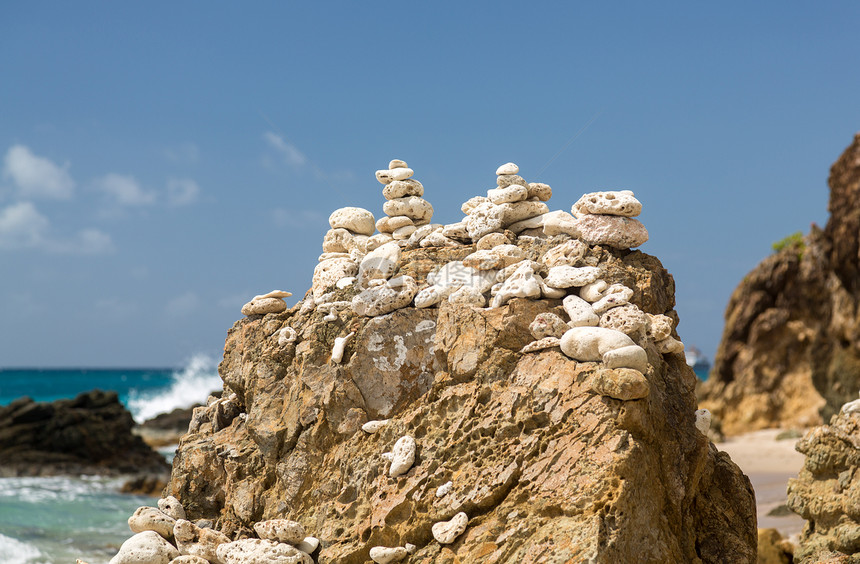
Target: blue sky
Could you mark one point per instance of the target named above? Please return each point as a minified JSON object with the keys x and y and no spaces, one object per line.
{"x":163,"y":162}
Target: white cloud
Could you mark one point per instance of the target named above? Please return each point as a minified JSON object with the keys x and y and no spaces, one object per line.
{"x":288,"y":151}
{"x":22,"y":226}
{"x":37,"y":177}
{"x":125,"y":190}
{"x":182,"y":305}
{"x":182,"y":191}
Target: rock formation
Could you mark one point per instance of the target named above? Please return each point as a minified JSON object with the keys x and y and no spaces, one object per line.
{"x":510,"y":393}
{"x":827,"y":491}
{"x":91,"y":434}
{"x":790,"y":351}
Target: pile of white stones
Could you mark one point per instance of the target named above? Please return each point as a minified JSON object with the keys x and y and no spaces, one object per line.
{"x":405,"y":209}
{"x":164,"y":536}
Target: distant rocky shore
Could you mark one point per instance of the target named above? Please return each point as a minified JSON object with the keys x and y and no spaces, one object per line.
{"x":90,"y":434}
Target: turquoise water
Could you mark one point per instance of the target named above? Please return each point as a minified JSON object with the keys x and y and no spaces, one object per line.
{"x":57,"y":520}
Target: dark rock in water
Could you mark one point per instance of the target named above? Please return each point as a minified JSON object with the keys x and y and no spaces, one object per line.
{"x":90,"y":434}
{"x":145,"y":484}
{"x":790,"y":351}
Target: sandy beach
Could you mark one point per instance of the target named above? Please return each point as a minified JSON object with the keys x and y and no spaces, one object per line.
{"x":769,"y":463}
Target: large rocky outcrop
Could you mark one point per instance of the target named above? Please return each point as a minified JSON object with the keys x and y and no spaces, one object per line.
{"x":545,"y":468}
{"x":91,"y":434}
{"x":827,"y":491}
{"x":790,"y":351}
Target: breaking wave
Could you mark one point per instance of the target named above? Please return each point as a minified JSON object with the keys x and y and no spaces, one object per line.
{"x":192,"y":384}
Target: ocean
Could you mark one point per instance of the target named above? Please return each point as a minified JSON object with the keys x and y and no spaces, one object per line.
{"x":56,"y":520}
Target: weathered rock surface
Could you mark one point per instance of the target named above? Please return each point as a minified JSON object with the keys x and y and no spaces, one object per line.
{"x":827,"y":491}
{"x":546,"y":469}
{"x":790,"y":351}
{"x":91,"y":434}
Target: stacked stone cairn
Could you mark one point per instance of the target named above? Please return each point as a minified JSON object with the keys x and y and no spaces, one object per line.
{"x":164,"y":536}
{"x":520,"y":250}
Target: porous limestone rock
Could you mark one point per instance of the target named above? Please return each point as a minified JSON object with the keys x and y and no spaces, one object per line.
{"x":402,"y":189}
{"x":197,"y":541}
{"x":373,"y":426}
{"x":491,"y":241}
{"x":260,"y":551}
{"x":189,"y":559}
{"x":484,"y":260}
{"x":152,"y":519}
{"x":571,"y":276}
{"x":703,"y":421}
{"x":551,"y":223}
{"x":309,"y":545}
{"x":615,"y":231}
{"x":541,"y":344}
{"x":659,"y":326}
{"x":667,"y":345}
{"x":632,"y":356}
{"x":539,"y":190}
{"x":611,"y":202}
{"x":509,"y":194}
{"x":339,"y":346}
{"x":415,"y":207}
{"x":506,"y":180}
{"x":484,"y":218}
{"x":446,"y":532}
{"x":594,"y":291}
{"x":379,"y":300}
{"x":147,"y":547}
{"x":397,"y":163}
{"x":580,"y":312}
{"x":570,"y":253}
{"x":286,"y":335}
{"x":337,"y":241}
{"x":467,"y":295}
{"x":518,"y":211}
{"x":386,"y":555}
{"x":547,"y":325}
{"x":624,"y":384}
{"x":444,"y":489}
{"x":521,"y":284}
{"x":328,"y":272}
{"x":616,"y":295}
{"x":172,"y":507}
{"x":827,"y":491}
{"x":628,"y":319}
{"x":403,"y":233}
{"x":472,"y":203}
{"x":280,"y":530}
{"x":591,"y":343}
{"x":403,"y":456}
{"x":380,"y":263}
{"x":356,"y":220}
{"x":507,"y":168}
{"x":455,"y":275}
{"x":375,"y":241}
{"x":263,"y":306}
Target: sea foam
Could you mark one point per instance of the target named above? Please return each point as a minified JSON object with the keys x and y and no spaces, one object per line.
{"x":13,"y":550}
{"x":192,"y":384}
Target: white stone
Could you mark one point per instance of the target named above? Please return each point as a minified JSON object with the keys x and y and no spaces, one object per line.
{"x":260,"y":551}
{"x":619,"y":203}
{"x":518,"y":211}
{"x":571,"y":276}
{"x":469,"y":205}
{"x":337,"y":241}
{"x":414,"y":207}
{"x":510,"y":254}
{"x":377,"y":241}
{"x":147,"y":547}
{"x":484,"y":260}
{"x":328,"y":256}
{"x":491,"y":241}
{"x":328,"y":272}
{"x":421,"y":232}
{"x":547,"y":325}
{"x":851,"y":407}
{"x":373,"y":426}
{"x":594,"y":291}
{"x":508,"y":271}
{"x":632,"y":356}
{"x":171,"y":506}
{"x":345,"y":282}
{"x":386,"y":555}
{"x":338,"y":348}
{"x":387,"y":224}
{"x":456,"y":230}
{"x":667,"y":345}
{"x":444,"y":489}
{"x":403,"y":233}
{"x":548,"y":291}
{"x":580,"y":312}
{"x":484,"y":218}
{"x":397,"y":163}
{"x":308,"y":545}
{"x":280,"y":530}
{"x":507,"y":168}
{"x":467,"y":295}
{"x":273,"y":294}
{"x":541,"y":344}
{"x":402,"y":189}
{"x":569,"y":253}
{"x":264,"y":306}
{"x":401,"y":173}
{"x":703,"y":421}
{"x":616,"y":295}
{"x":446,"y":532}
{"x":437,"y":239}
{"x":380,"y":263}
{"x":521,"y":284}
{"x":152,"y":519}
{"x":410,"y":548}
{"x":539,"y":190}
{"x":286,"y":336}
{"x":659,"y":326}
{"x":197,"y":541}
{"x":394,"y":294}
{"x":430,"y":296}
{"x":628,"y":319}
{"x":509,"y":194}
{"x":505,"y":180}
{"x":357,"y":220}
{"x":389,"y":456}
{"x":613,"y":231}
{"x":404,"y":456}
{"x":455,"y":275}
{"x":591,"y":343}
